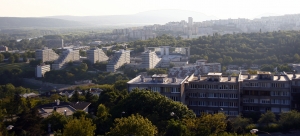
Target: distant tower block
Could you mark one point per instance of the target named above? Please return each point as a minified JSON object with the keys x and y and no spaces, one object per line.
{"x":190,"y":21}
{"x":162,"y":51}
{"x":167,"y":50}
{"x":62,"y":43}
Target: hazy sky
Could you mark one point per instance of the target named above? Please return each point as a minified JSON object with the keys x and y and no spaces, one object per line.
{"x":222,"y":9}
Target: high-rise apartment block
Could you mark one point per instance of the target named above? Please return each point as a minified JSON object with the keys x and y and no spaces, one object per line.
{"x":149,"y":59}
{"x":42,"y":69}
{"x":3,"y":48}
{"x":120,"y":58}
{"x":66,"y":56}
{"x":45,"y":55}
{"x":213,"y":93}
{"x":96,"y":54}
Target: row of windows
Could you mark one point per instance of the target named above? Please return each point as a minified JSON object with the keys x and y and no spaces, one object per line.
{"x":213,"y":104}
{"x":280,"y":93}
{"x":174,"y":98}
{"x":213,"y":95}
{"x":275,"y":85}
{"x":267,"y":101}
{"x":216,"y":87}
{"x":165,"y":89}
{"x":230,"y":113}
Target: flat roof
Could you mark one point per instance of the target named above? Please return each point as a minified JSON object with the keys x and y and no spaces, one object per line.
{"x":159,"y":75}
{"x":264,"y":72}
{"x":214,"y":74}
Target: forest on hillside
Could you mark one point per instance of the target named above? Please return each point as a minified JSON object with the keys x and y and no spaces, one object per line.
{"x":251,"y":48}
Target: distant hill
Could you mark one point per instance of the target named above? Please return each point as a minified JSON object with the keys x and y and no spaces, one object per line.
{"x":17,"y":22}
{"x":143,"y":18}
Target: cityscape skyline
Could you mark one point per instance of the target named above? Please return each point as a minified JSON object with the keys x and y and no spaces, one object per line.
{"x":219,"y":9}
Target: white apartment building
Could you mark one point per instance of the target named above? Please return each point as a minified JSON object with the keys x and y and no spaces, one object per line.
{"x":66,"y":56}
{"x":41,"y":70}
{"x":96,"y":54}
{"x":149,"y":59}
{"x":46,"y":54}
{"x":120,"y":58}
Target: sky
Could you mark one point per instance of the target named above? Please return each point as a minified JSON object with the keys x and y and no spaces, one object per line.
{"x":222,"y":9}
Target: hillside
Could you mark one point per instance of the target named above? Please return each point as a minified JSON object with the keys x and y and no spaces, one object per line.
{"x":17,"y":22}
{"x":142,"y":18}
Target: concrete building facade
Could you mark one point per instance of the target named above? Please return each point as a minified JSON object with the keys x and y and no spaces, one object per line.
{"x":120,"y":58}
{"x":66,"y":56}
{"x":45,"y":55}
{"x":42,"y":69}
{"x":96,"y":54}
{"x":212,"y":94}
{"x":172,"y":88}
{"x":245,"y":93}
{"x":149,"y":59}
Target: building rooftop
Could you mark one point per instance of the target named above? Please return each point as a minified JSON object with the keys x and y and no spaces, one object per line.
{"x":214,"y":74}
{"x":151,"y":80}
{"x":159,"y":75}
{"x":224,"y":79}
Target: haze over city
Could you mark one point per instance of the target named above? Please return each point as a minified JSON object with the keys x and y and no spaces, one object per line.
{"x":219,"y":9}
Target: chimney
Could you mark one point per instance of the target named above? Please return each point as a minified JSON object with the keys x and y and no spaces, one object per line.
{"x":279,"y":77}
{"x":294,"y":73}
{"x":174,"y":80}
{"x":57,"y":102}
{"x":142,"y":79}
{"x":249,"y":76}
{"x":229,"y":78}
{"x":199,"y":77}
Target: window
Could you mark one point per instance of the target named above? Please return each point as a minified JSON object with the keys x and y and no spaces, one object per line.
{"x":232,"y":104}
{"x":210,"y":95}
{"x":221,"y":95}
{"x":285,"y":102}
{"x":213,"y":104}
{"x":275,"y":101}
{"x":248,"y":108}
{"x":265,"y":101}
{"x":175,"y":90}
{"x":155,"y":89}
{"x":202,"y":103}
{"x":285,"y":93}
{"x":233,"y":96}
{"x":202,"y":95}
{"x":233,"y":113}
{"x":247,"y":100}
{"x":193,"y":95}
{"x":175,"y":98}
{"x":193,"y":103}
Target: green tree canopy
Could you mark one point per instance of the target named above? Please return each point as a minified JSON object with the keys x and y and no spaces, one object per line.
{"x":267,"y":118}
{"x":79,"y":127}
{"x":133,"y":125}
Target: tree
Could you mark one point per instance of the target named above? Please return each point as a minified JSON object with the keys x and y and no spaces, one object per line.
{"x":153,"y":105}
{"x":267,"y":118}
{"x":79,"y":127}
{"x":176,"y":128}
{"x":216,"y":123}
{"x":121,"y":85}
{"x":102,"y":112}
{"x":133,"y":125}
{"x":56,"y":120}
{"x":29,"y":122}
{"x":11,"y":59}
{"x":1,"y":57}
{"x":240,"y":123}
{"x":289,"y":120}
